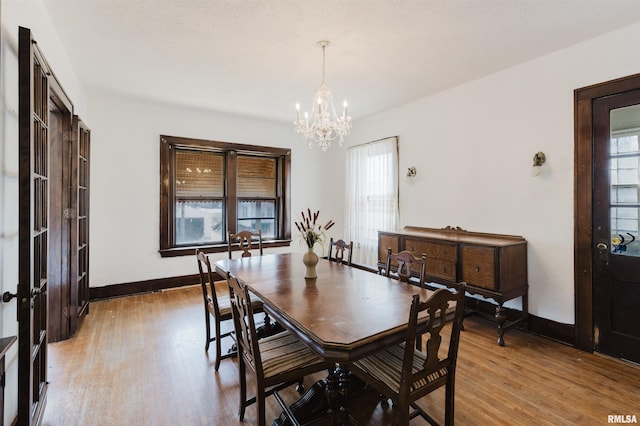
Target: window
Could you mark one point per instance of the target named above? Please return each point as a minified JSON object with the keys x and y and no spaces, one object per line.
{"x":257,"y":188}
{"x":371,"y":196}
{"x":208,"y":189}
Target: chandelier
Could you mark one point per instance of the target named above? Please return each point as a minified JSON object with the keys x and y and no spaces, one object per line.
{"x":324,"y":125}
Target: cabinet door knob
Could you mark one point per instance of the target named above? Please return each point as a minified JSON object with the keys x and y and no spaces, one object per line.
{"x":477,"y":268}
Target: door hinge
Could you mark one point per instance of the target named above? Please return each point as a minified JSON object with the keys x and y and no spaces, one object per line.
{"x":3,"y":379}
{"x":69,"y":214}
{"x":65,"y":312}
{"x":67,"y":136}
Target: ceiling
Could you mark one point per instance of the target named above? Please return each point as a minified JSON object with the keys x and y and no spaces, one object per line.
{"x":257,"y":58}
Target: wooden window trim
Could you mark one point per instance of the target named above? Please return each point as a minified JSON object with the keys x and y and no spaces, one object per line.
{"x":167,"y":194}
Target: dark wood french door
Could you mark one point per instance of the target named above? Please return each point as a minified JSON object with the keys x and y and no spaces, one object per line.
{"x":616,"y":222}
{"x":79,"y":218}
{"x":33,"y":239}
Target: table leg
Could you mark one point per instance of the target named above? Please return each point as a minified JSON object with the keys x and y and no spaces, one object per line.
{"x":329,"y":397}
{"x":344,"y":384}
{"x":331,"y":392}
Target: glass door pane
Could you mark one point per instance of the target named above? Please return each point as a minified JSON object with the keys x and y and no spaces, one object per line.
{"x":624,"y":165}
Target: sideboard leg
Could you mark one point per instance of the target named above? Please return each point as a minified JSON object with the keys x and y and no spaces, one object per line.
{"x":501,"y":317}
{"x":525,"y":312}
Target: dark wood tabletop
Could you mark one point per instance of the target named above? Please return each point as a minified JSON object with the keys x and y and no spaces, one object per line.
{"x":343,"y":314}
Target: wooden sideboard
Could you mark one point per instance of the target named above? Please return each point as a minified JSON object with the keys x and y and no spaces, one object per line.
{"x":493,"y":266}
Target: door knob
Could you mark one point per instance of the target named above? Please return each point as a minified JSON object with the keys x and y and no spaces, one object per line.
{"x":601,"y":246}
{"x":7,"y":296}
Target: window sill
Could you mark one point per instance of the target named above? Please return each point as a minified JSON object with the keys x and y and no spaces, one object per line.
{"x":214,"y":248}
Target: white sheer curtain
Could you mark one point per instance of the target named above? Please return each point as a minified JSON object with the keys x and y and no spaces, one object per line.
{"x":371,"y":196}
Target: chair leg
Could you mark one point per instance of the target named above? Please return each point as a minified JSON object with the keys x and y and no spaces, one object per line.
{"x":449,"y":401}
{"x":207,"y":321}
{"x":403,"y":416}
{"x":262,"y":409}
{"x":243,"y":387}
{"x":218,"y":345}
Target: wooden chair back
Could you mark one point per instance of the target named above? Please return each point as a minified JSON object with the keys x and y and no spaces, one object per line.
{"x":207,"y":284}
{"x":406,"y":263}
{"x":340,"y":248}
{"x":245,"y":241}
{"x":245,"y":326}
{"x":440,"y":315}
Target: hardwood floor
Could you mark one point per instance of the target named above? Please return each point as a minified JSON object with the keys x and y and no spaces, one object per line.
{"x":140,"y":360}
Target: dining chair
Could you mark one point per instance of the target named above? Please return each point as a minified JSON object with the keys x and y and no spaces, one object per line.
{"x":406,"y":261}
{"x":405,"y":374}
{"x":340,"y":247}
{"x":217,"y":305}
{"x":277,"y":361}
{"x":246,"y":241}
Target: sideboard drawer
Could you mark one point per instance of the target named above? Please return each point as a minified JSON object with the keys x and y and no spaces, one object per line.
{"x":478,"y":266}
{"x":445,"y":269}
{"x":432,"y":250}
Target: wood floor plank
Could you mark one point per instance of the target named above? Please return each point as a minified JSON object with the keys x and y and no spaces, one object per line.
{"x":140,"y":360}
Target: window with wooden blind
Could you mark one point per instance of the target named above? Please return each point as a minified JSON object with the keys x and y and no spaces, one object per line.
{"x":257,"y":197}
{"x":208,"y":189}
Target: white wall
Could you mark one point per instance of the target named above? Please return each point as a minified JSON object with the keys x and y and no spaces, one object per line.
{"x":125,"y":186}
{"x":33,"y":14}
{"x":473,"y":147}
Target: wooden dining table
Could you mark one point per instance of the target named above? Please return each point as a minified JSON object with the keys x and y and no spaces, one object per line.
{"x":344,"y":314}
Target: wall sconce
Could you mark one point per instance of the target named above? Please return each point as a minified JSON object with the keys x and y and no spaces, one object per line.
{"x":411,"y":172}
{"x":538,"y":160}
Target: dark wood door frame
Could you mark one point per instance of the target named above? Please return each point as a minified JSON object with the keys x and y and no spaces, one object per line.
{"x":583,"y":200}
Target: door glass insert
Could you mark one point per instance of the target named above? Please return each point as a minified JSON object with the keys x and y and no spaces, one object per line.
{"x":624,"y":165}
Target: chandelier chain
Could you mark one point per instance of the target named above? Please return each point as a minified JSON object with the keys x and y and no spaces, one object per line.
{"x":324,"y":46}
